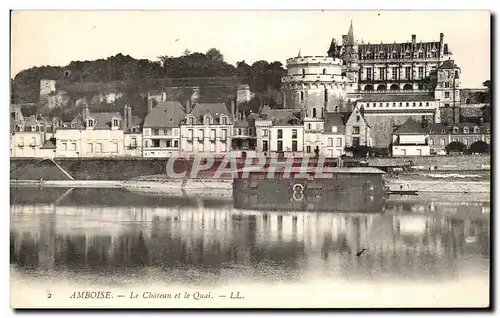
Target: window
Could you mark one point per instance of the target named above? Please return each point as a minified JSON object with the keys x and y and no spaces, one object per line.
{"x":355,"y":141}
{"x":280,"y":145}
{"x":466,"y":141}
{"x":114,"y":147}
{"x":223,"y":134}
{"x":431,"y":141}
{"x":98,"y":147}
{"x":431,"y":131}
{"x":414,"y":104}
{"x":168,"y":143}
{"x":420,"y":72}
{"x":223,"y":121}
{"x":115,"y":122}
{"x":355,"y":130}
{"x":446,"y":94}
{"x":476,"y":130}
{"x":294,"y":133}
{"x":212,"y":134}
{"x":314,"y":112}
{"x":156,"y":143}
{"x":294,"y":145}
{"x":190,"y":120}
{"x":308,"y":149}
{"x":326,"y":96}
{"x":466,"y":130}
{"x":394,"y":54}
{"x":339,"y":142}
{"x":324,"y":71}
{"x":446,"y":85}
{"x":455,"y":130}
{"x":176,"y":143}
{"x":393,"y":104}
{"x":426,"y":103}
{"x":456,"y":74}
{"x":280,"y":133}
{"x":190,"y":134}
{"x":239,"y":131}
{"x":400,"y":104}
{"x":420,"y":104}
{"x":334,"y":129}
{"x":90,"y":148}
{"x":90,"y":122}
{"x":358,"y":118}
{"x":309,"y":126}
{"x":487,"y":140}
{"x":382,"y":74}
{"x":156,"y":132}
{"x":455,"y":139}
{"x":446,"y":105}
{"x":408,"y":72}
{"x":394,"y":73}
{"x":420,"y":55}
{"x":330,"y":142}
{"x":407,"y":104}
{"x":73,"y":146}
{"x":265,"y":132}
{"x":301,"y":96}
{"x":201,"y":134}
{"x":369,"y":74}
{"x":303,"y":73}
{"x":443,"y":141}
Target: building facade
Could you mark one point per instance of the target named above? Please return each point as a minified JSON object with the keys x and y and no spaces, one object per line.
{"x":410,"y":139}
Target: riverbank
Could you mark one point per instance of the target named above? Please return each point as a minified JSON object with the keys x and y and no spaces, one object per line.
{"x":157,"y":185}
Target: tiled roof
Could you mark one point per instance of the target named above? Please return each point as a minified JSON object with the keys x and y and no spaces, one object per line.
{"x":442,"y":129}
{"x":334,"y":119}
{"x":48,"y":144}
{"x":214,"y":109}
{"x":409,"y":127}
{"x":281,"y":117}
{"x":103,"y":120}
{"x":376,"y":97}
{"x":166,"y":114}
{"x":448,"y":65}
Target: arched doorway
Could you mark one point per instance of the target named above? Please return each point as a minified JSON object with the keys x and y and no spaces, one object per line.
{"x":407,"y":87}
{"x":381,"y":88}
{"x":394,"y":87}
{"x":368,"y":88}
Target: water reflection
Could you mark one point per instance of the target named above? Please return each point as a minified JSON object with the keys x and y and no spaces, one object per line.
{"x":114,"y":232}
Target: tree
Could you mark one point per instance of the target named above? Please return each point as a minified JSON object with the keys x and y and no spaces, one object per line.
{"x":215,"y":55}
{"x":187,"y":52}
{"x":487,"y":84}
{"x":479,"y":147}
{"x":455,"y":146}
{"x":359,"y":151}
{"x":429,"y":83}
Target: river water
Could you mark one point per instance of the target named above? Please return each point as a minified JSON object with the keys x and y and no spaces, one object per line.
{"x":151,"y":251}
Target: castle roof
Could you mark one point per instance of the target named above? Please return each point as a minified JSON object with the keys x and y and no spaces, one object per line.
{"x":334,"y":119}
{"x":448,"y":65}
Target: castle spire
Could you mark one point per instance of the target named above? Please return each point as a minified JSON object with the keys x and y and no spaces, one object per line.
{"x":350,"y":35}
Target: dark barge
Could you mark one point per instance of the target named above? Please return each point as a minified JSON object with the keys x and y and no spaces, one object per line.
{"x":356,"y":190}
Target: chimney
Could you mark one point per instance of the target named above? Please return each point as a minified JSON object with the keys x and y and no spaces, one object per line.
{"x":86,"y":113}
{"x":125,"y":112}
{"x":150,"y":105}
{"x":188,"y":106}
{"x":413,"y":38}
{"x":53,"y":125}
{"x":441,"y":37}
{"x":129,"y":116}
{"x":445,"y":50}
{"x":233,"y":110}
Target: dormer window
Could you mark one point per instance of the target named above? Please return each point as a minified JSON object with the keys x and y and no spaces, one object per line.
{"x":394,"y":54}
{"x":443,"y":131}
{"x":190,"y":120}
{"x":466,"y":130}
{"x":407,"y":54}
{"x":420,"y":55}
{"x":369,"y":55}
{"x":223,"y":120}
{"x":476,"y":130}
{"x":381,"y":55}
{"x":431,"y":131}
{"x":115,"y":122}
{"x":455,"y":130}
{"x":207,"y":120}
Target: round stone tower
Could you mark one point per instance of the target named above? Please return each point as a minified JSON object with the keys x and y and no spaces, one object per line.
{"x":315,"y":85}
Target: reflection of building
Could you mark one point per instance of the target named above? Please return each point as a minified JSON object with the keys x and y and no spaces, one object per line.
{"x":413,"y":238}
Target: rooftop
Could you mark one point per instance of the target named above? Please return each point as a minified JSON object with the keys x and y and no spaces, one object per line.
{"x":409,"y":127}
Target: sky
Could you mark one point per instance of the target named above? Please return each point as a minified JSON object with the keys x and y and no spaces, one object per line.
{"x":58,"y":37}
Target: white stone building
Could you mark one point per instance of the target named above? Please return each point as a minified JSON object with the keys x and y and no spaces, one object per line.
{"x":410,"y":139}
